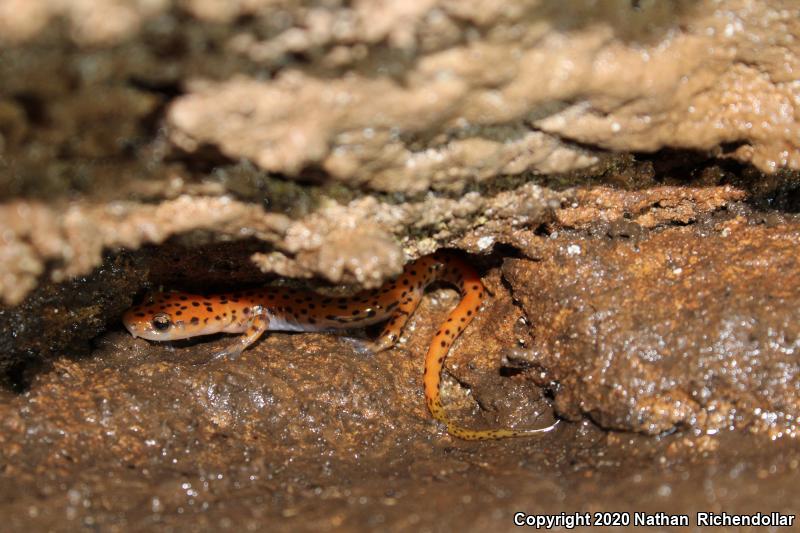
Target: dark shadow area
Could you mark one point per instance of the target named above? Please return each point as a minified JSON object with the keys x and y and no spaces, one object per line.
{"x":58,"y":318}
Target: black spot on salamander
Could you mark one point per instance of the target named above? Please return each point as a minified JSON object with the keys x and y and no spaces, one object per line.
{"x":444,"y":344}
{"x":312,"y":320}
{"x":205,"y":320}
{"x":223,"y":301}
{"x":330,"y":317}
{"x":312,"y":306}
{"x":178,"y":313}
{"x":246,"y":311}
{"x":469,"y":313}
{"x":356,"y":312}
{"x":195,"y":320}
{"x":326,"y":301}
{"x":475,"y":287}
{"x":140,"y":314}
{"x":405,"y":281}
{"x":184,"y":307}
{"x":183,"y":297}
{"x":210,"y":309}
{"x":195,"y":304}
{"x":217,"y":318}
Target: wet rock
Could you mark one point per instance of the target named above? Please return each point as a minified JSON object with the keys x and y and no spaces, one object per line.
{"x":689,"y":327}
{"x":171,"y":429}
{"x":219,"y":144}
{"x":309,"y":431}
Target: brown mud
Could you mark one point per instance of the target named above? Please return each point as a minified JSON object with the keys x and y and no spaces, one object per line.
{"x":624,"y":175}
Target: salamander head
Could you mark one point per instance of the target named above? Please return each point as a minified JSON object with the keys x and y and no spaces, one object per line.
{"x":164,"y":316}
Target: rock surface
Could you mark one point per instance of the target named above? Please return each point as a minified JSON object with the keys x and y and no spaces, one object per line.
{"x":624,"y":175}
{"x":690,"y":327}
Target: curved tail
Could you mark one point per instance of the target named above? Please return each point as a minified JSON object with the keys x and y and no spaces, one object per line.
{"x":453,"y":270}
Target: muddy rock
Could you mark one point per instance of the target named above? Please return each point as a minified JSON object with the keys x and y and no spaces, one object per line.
{"x":691,"y":327}
{"x":623,"y":175}
{"x":309,"y":431}
{"x":329,"y":407}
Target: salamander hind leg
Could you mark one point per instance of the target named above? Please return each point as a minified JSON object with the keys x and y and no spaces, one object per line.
{"x":458,"y":273}
{"x":391,"y":332}
{"x":256,"y":326}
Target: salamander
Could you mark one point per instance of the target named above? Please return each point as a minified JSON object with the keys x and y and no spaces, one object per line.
{"x":165,"y":316}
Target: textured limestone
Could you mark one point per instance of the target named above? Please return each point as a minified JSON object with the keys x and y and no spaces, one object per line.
{"x":609,"y":76}
{"x":352,"y":243}
{"x":75,"y":236}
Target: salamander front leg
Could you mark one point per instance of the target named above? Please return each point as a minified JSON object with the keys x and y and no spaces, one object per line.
{"x":256,"y":326}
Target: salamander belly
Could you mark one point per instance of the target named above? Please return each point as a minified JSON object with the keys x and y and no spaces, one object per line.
{"x":280,"y":323}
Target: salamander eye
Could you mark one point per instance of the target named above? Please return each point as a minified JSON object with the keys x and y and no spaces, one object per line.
{"x":161,"y":321}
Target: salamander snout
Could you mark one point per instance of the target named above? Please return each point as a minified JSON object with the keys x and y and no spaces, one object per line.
{"x":169,"y":316}
{"x":151,"y":326}
{"x":160,"y":317}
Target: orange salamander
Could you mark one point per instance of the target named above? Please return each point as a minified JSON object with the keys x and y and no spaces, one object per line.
{"x":166,"y":316}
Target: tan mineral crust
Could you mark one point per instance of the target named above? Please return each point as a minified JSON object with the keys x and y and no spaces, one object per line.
{"x":624,"y":175}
